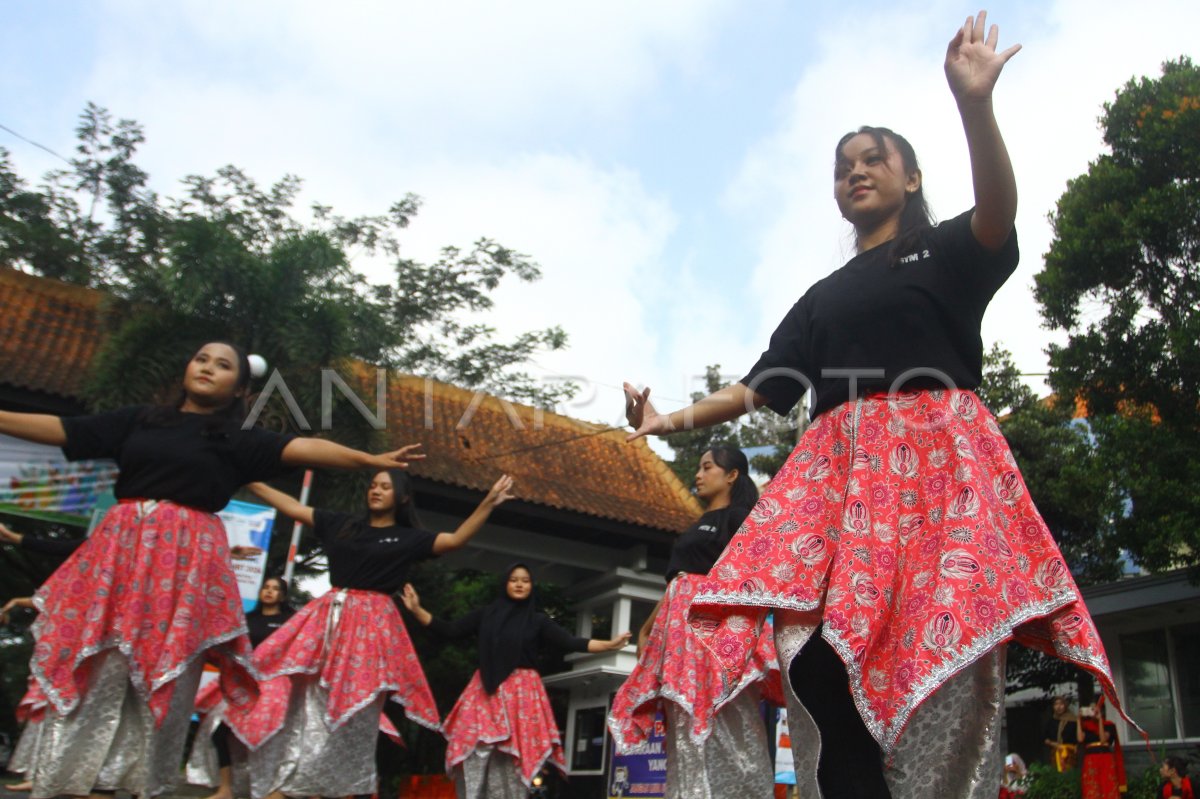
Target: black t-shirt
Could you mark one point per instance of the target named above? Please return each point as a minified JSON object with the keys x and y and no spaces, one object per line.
{"x":374,"y":558}
{"x":261,"y":626}
{"x":183,"y":462}
{"x":699,"y":546}
{"x":59,"y":547}
{"x":544,"y":631}
{"x":921,"y":313}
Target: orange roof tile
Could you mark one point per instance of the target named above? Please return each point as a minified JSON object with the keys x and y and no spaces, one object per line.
{"x":50,"y":331}
{"x":472,"y":438}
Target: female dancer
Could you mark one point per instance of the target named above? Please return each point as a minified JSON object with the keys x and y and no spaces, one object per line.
{"x":126,"y":619}
{"x":501,"y":731}
{"x":716,"y":742}
{"x":898,"y":546}
{"x":1102,"y":764}
{"x":213,"y":753}
{"x":343,"y":654}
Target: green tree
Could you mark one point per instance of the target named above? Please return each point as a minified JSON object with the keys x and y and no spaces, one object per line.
{"x":1122,"y":279}
{"x":1072,"y":488}
{"x":231,"y":257}
{"x":763,"y":428}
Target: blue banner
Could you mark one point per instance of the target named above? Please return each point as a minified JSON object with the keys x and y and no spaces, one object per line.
{"x":643,"y":774}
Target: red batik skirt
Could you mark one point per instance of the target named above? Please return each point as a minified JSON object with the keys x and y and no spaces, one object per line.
{"x":676,"y":666}
{"x":355,"y":643}
{"x":516,"y":720}
{"x":154,"y":581}
{"x":900,"y":523}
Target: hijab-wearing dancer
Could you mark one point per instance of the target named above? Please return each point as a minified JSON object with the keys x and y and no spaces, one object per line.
{"x":898,"y":546}
{"x":215,"y":754}
{"x":340,"y":657}
{"x":716,"y":742}
{"x":501,"y":731}
{"x":125,"y":621}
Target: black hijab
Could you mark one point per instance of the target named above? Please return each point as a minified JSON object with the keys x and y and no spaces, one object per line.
{"x":503,"y":630}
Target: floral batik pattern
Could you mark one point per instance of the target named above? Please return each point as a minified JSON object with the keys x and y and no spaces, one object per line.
{"x":155,"y":582}
{"x":355,"y":643}
{"x":517,"y":720}
{"x":903,"y":520}
{"x":676,"y":666}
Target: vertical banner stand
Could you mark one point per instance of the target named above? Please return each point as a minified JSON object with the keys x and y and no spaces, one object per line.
{"x":297,"y":529}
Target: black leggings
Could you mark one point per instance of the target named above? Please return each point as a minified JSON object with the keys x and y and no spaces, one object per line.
{"x":220,"y":739}
{"x":851,"y":765}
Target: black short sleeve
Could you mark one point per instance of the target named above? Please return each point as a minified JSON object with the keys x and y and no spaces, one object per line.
{"x":981,"y":271}
{"x":782,"y":369}
{"x":258,"y":455}
{"x":99,"y":435}
{"x":328,"y":523}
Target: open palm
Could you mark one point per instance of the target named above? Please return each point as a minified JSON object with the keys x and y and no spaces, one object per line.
{"x":972,"y":64}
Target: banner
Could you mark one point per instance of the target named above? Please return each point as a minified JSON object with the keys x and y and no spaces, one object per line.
{"x":249,"y":526}
{"x":643,"y":774}
{"x":37,"y":482}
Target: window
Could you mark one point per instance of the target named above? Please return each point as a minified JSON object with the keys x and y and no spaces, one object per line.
{"x":588,"y":747}
{"x":1162,"y":680}
{"x":1148,"y":682}
{"x":1186,"y":640}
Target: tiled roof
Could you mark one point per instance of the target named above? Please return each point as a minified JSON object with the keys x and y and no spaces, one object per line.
{"x":50,"y":331}
{"x":471,"y":439}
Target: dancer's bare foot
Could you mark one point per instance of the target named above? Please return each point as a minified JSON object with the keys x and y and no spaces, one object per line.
{"x":223,"y":792}
{"x":20,"y":786}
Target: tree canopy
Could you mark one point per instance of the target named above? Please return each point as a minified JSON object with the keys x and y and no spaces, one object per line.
{"x":231,"y":258}
{"x":1122,"y":279}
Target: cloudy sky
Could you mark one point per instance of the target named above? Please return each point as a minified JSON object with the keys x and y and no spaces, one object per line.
{"x":667,"y":163}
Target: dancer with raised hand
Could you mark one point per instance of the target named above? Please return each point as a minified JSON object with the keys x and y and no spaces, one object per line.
{"x":501,"y":731}
{"x":898,"y":546}
{"x":328,"y":672}
{"x":125,"y":622}
{"x":716,"y":742}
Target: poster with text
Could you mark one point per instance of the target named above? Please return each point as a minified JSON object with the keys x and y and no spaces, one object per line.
{"x":249,"y":529}
{"x":643,"y":774}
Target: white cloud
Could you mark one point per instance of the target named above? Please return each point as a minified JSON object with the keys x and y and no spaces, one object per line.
{"x":1047,"y":103}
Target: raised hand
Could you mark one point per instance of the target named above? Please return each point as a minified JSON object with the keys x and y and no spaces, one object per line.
{"x":641,"y":415}
{"x":501,"y":491}
{"x":972,"y":64}
{"x":397,"y":459}
{"x":410,"y":599}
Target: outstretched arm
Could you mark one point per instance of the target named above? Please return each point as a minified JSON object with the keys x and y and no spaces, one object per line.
{"x":322,"y":453}
{"x":501,"y":492}
{"x":720,"y":406}
{"x":599,"y":645}
{"x":972,"y":68}
{"x":40,"y":428}
{"x":284,"y":503}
